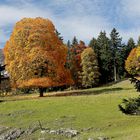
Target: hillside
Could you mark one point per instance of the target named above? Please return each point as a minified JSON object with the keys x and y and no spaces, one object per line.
{"x":93,"y":116}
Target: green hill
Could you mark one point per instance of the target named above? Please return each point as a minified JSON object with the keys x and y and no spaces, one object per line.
{"x":94,"y":114}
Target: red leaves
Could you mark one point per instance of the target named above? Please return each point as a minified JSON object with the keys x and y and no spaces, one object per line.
{"x":76,"y":68}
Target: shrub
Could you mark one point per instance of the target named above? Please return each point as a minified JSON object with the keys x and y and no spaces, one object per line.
{"x":136,"y":83}
{"x":130,"y":106}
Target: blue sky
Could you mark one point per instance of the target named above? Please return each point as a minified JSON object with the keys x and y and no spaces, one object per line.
{"x":81,"y":18}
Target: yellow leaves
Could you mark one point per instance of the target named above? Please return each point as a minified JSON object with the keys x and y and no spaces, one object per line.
{"x":137,"y":51}
{"x":132,"y":64}
{"x":35,"y":55}
{"x":90,"y":70}
{"x":88,"y":51}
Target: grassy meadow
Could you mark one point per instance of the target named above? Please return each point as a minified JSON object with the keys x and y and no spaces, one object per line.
{"x":93,"y":113}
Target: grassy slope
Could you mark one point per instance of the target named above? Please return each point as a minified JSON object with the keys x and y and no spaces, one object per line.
{"x":98,"y":111}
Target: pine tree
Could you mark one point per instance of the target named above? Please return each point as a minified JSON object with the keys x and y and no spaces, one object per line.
{"x":73,"y":46}
{"x":68,"y":44}
{"x":76,"y":51}
{"x":115,"y":45}
{"x":59,"y":35}
{"x":130,"y":46}
{"x":93,"y":44}
{"x":74,"y":41}
{"x":68,"y":61}
{"x":121,"y":57}
{"x":90,"y":71}
{"x":105,"y":57}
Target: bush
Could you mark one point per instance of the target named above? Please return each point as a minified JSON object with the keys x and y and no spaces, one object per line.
{"x":136,"y":83}
{"x":130,"y":106}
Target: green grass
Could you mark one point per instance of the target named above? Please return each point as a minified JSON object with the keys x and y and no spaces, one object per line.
{"x":96,"y":108}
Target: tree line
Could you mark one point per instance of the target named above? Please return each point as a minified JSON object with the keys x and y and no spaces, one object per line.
{"x":36,"y":57}
{"x":110,"y":52}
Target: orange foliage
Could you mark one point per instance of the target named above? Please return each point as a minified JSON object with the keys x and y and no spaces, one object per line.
{"x":76,"y":67}
{"x":35,"y":56}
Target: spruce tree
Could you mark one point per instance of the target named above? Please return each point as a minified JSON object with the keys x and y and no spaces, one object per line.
{"x":121,"y":57}
{"x":73,"y":46}
{"x":68,"y":44}
{"x":68,"y":60}
{"x":93,"y":44}
{"x":115,"y":45}
{"x":74,"y":41}
{"x":76,"y":50}
{"x":59,"y":35}
{"x":105,"y":57}
{"x":130,"y":46}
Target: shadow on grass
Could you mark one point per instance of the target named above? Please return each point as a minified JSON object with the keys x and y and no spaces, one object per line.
{"x":1,"y":101}
{"x":94,"y":92}
{"x":72,"y":93}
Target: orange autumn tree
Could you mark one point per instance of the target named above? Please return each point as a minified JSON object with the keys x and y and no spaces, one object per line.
{"x":76,"y":68}
{"x":35,"y":56}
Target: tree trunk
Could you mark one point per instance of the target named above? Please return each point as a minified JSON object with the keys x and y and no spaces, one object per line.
{"x":115,"y":73}
{"x":41,"y":91}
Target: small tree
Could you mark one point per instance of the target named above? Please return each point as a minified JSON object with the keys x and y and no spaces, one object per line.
{"x":76,"y":68}
{"x":93,"y":44}
{"x":68,"y":62}
{"x":115,"y":45}
{"x":131,"y":64}
{"x":130,"y":44}
{"x":90,"y":70}
{"x":105,"y":57}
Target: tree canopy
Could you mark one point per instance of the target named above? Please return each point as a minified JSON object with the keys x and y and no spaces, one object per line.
{"x":131,"y":64}
{"x":35,"y":55}
{"x":90,"y":70}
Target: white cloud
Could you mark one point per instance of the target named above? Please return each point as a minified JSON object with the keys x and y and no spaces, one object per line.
{"x":77,"y":18}
{"x":11,"y":14}
{"x":83,"y":28}
{"x":76,"y":22}
{"x":72,"y":17}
